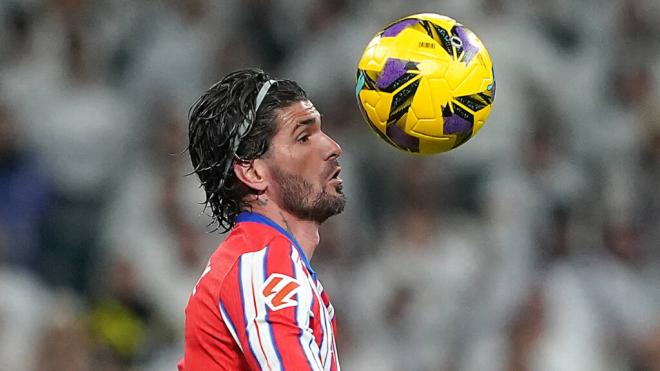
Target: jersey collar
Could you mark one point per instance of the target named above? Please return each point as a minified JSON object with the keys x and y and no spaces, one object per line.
{"x":247,"y":216}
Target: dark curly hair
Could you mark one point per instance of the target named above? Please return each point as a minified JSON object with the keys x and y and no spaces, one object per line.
{"x":224,"y":127}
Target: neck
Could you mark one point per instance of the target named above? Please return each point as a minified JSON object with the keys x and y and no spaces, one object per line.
{"x":304,"y":231}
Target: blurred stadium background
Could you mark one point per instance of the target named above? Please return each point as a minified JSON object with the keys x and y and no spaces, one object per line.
{"x":536,"y":246}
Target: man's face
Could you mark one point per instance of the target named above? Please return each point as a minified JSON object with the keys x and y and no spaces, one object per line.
{"x":303,"y":165}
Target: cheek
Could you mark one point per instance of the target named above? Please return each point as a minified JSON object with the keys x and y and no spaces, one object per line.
{"x":312,"y":171}
{"x":300,"y":162}
{"x":306,"y":165}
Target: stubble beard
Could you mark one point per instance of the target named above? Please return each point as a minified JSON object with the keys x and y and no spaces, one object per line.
{"x":298,"y":198}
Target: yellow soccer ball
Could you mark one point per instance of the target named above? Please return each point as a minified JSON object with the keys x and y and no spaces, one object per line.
{"x":425,"y":84}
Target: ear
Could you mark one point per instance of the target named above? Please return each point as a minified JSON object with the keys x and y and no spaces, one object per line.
{"x":251,"y":173}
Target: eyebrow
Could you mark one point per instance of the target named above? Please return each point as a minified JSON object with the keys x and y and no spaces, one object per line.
{"x":308,"y":121}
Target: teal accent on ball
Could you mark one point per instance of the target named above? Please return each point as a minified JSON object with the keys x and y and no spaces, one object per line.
{"x":359,"y":85}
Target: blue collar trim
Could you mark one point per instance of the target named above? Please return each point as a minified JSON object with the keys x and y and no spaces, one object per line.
{"x":247,"y":216}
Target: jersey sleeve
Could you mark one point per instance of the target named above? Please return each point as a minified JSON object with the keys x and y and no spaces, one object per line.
{"x":266,"y":301}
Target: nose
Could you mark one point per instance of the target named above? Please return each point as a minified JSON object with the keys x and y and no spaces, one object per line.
{"x":333,"y":149}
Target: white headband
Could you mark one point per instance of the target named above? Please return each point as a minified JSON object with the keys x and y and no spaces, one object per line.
{"x":247,"y":123}
{"x":262,"y":94}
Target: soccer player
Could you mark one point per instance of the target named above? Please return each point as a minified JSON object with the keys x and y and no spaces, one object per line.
{"x":271,"y":177}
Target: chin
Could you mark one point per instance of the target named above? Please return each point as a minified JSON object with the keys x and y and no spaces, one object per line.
{"x":332,"y":204}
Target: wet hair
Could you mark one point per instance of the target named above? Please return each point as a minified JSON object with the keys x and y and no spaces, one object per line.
{"x":224,"y":128}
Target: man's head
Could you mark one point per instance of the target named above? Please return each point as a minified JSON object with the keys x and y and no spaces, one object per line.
{"x":253,"y":139}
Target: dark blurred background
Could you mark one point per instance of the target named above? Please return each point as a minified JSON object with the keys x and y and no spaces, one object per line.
{"x":535,"y":246}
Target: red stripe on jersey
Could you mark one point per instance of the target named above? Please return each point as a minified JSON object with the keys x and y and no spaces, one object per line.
{"x":256,"y":310}
{"x":234,"y":289}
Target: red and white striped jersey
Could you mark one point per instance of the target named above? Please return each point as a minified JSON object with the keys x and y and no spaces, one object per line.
{"x":259,"y":306}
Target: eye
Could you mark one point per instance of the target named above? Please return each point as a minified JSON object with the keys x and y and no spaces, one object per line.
{"x":302,"y":138}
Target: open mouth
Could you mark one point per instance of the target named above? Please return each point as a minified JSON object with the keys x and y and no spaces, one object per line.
{"x":335,"y":174}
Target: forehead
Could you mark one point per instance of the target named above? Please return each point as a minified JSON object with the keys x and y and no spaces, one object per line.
{"x":293,"y":114}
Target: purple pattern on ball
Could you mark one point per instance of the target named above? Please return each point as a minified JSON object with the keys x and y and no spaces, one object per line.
{"x":394,"y":29}
{"x":469,"y":48}
{"x":393,"y":70}
{"x":401,"y":139}
{"x":455,"y":124}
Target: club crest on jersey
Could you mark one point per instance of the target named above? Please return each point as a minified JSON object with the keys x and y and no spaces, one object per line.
{"x":279,"y":290}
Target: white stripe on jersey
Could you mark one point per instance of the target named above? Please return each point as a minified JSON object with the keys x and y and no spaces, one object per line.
{"x":326,"y":326}
{"x":331,"y":309}
{"x":258,"y":330}
{"x":334,"y":348}
{"x":305,"y":301}
{"x":331,"y":315}
{"x":230,"y":325}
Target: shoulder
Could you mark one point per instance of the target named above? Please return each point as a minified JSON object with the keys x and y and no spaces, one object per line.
{"x":263,"y":272}
{"x":250,"y":240}
{"x":245,"y":253}
{"x":277,"y":253}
